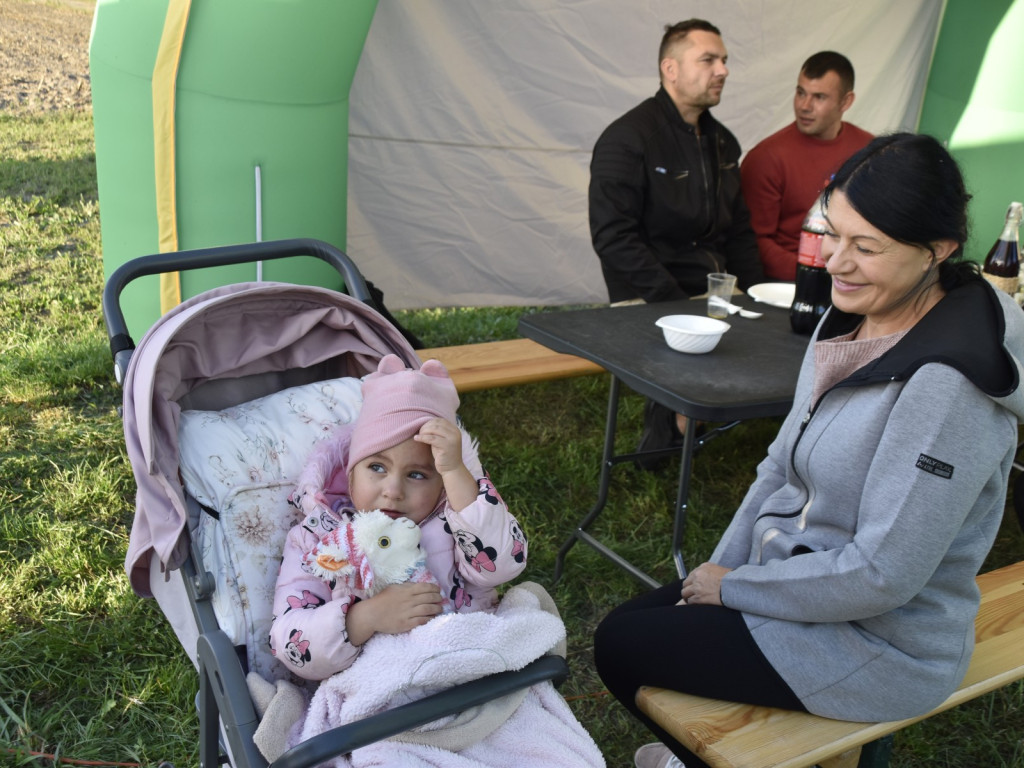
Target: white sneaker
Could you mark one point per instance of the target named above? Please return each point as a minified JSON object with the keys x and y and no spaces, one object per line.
{"x":656,"y":755}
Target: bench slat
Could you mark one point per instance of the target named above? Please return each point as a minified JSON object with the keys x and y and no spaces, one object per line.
{"x":506,"y":363}
{"x":730,"y":735}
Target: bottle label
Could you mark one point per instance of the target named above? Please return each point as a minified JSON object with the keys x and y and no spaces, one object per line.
{"x":1007,"y":284}
{"x":809,"y":250}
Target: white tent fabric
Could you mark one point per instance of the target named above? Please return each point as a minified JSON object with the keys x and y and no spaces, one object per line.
{"x":472,"y":124}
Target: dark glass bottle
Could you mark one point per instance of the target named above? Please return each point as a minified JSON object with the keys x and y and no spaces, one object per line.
{"x":1002,"y":265}
{"x":813,"y":293}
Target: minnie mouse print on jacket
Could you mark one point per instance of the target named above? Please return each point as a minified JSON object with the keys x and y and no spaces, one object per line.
{"x":470,"y":552}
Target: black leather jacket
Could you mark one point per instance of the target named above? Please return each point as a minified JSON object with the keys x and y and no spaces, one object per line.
{"x":666,"y":207}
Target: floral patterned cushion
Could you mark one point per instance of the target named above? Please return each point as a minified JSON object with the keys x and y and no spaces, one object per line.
{"x":242,"y":462}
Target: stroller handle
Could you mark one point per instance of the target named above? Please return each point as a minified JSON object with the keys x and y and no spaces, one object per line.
{"x":121,"y":343}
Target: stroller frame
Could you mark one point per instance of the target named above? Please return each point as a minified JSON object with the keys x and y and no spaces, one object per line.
{"x":227,"y":715}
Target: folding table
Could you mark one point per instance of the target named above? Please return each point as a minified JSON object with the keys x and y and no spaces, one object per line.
{"x":750,"y":374}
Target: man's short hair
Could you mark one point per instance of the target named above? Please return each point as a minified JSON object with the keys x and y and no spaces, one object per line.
{"x":824,"y":62}
{"x":678,"y":31}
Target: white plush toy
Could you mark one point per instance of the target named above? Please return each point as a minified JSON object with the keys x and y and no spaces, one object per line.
{"x":368,"y":552}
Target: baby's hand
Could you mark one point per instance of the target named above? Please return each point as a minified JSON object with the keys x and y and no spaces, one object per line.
{"x":445,"y":441}
{"x":399,"y":608}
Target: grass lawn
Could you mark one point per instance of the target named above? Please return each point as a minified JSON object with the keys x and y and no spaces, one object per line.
{"x":89,"y":672}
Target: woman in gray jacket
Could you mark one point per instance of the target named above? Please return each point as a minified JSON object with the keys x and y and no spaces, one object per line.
{"x":844,"y":584}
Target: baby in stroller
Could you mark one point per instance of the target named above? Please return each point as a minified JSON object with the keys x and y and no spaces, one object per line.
{"x":405,"y":455}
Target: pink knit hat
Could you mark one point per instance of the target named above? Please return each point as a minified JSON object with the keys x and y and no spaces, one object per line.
{"x":397,"y":401}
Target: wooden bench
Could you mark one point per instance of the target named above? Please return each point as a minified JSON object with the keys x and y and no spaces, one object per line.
{"x":729,"y":735}
{"x":504,"y":363}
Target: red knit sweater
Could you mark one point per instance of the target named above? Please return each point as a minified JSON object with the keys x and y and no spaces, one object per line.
{"x":781,"y":178}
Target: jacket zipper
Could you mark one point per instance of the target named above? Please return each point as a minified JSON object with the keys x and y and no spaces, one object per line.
{"x":847,"y":382}
{"x":711,"y":203}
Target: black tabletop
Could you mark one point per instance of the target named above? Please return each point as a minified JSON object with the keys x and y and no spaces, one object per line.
{"x":750,"y":374}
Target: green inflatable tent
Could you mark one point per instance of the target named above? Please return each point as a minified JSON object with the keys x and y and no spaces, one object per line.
{"x":972,"y":104}
{"x":221,"y":123}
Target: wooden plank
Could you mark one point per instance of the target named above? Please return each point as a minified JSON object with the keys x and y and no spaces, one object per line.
{"x":730,"y":735}
{"x":506,"y":363}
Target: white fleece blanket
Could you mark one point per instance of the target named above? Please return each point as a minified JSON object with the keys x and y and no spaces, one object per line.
{"x":534,"y":728}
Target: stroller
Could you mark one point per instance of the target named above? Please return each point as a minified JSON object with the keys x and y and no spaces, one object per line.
{"x":225,"y":376}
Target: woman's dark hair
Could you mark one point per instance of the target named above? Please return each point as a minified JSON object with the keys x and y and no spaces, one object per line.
{"x":908,"y":186}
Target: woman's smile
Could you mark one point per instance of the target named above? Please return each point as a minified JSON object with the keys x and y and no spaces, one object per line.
{"x":892,"y":284}
{"x":844,"y":286}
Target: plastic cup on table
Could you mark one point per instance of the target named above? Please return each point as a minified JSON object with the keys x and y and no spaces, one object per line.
{"x":720,"y":285}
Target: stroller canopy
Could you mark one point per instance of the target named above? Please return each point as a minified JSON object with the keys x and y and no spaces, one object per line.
{"x":232,"y":342}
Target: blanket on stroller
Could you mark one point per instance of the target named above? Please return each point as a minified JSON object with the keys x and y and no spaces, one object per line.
{"x":534,"y":727}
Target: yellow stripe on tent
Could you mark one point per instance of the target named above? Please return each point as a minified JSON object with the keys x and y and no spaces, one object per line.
{"x":165,"y":75}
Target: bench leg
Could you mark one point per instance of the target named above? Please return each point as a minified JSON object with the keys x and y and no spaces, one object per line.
{"x":848,"y":759}
{"x":876,"y":754}
{"x":872,"y":755}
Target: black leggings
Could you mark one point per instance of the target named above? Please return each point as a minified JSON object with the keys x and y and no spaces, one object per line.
{"x":705,"y":650}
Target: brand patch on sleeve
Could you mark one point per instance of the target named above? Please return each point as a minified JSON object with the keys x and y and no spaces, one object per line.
{"x":934,"y":466}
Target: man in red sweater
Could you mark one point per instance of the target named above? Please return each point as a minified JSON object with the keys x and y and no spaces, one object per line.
{"x":783,"y":175}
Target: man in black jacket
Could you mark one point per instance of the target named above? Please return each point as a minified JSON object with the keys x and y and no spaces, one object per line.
{"x":665,"y":202}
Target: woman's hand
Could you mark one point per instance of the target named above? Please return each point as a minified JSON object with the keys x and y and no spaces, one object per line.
{"x":399,"y":608}
{"x":703,"y":585}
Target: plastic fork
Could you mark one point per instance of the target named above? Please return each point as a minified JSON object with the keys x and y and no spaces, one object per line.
{"x":734,"y":309}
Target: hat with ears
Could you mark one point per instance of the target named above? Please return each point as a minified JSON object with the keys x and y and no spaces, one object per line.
{"x":397,"y":401}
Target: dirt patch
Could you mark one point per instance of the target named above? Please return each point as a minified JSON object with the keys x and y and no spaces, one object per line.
{"x":44,"y":55}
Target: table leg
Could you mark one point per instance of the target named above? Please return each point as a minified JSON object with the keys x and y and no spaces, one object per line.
{"x":608,"y":460}
{"x":607,"y":457}
{"x":682,"y":498}
{"x":691,"y":442}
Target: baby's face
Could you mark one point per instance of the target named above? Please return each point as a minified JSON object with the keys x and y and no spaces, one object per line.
{"x":401,"y":481}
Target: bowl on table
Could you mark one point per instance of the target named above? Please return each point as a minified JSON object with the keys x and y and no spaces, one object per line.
{"x":694,"y":334}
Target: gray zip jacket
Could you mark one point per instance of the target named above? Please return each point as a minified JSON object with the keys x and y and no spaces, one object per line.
{"x":856,"y":548}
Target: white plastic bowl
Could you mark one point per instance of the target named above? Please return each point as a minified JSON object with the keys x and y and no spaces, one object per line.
{"x":694,"y":334}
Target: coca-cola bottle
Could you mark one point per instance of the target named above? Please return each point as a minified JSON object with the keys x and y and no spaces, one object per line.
{"x":813,"y":294}
{"x":1002,"y":265}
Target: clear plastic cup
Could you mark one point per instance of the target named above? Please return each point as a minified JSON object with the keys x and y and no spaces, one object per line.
{"x":721,"y":285}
